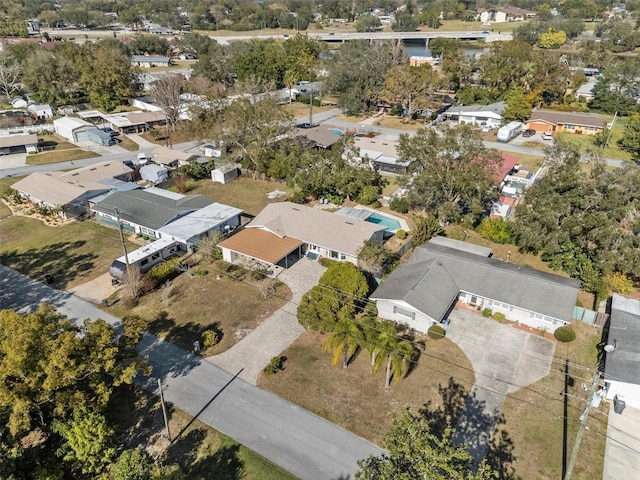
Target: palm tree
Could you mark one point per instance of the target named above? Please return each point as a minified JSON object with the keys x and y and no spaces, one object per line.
{"x":373,"y":329}
{"x":345,"y":340}
{"x":396,"y":351}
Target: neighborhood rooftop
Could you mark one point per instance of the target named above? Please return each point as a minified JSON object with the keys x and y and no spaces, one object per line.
{"x":568,"y":118}
{"x":623,"y":363}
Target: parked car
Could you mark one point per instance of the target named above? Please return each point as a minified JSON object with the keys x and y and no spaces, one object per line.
{"x":547,"y":136}
{"x":529,"y":132}
{"x":142,"y":158}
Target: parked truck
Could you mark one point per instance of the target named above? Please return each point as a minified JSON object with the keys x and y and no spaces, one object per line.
{"x":509,"y":131}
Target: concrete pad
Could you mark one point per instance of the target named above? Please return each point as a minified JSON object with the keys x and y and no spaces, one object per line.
{"x":621,"y":458}
{"x":95,"y":290}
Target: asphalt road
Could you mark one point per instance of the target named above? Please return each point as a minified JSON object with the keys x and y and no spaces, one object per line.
{"x":291,"y":437}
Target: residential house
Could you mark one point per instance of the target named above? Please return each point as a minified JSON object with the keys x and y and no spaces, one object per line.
{"x":19,"y":143}
{"x":319,"y":137}
{"x":586,"y":90}
{"x":622,"y":361}
{"x":566,"y":122}
{"x":72,"y":128}
{"x":381,"y":154}
{"x":170,"y":158}
{"x":505,"y":14}
{"x":134,"y":122}
{"x":75,"y":188}
{"x":282,"y":232}
{"x":41,"y":111}
{"x":486,"y":115}
{"x":444,"y":271}
{"x":150,"y":61}
{"x":147,"y":211}
{"x":154,"y":174}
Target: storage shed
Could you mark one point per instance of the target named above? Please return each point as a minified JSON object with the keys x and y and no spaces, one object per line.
{"x":225,"y":173}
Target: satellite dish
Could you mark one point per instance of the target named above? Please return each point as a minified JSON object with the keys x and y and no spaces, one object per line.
{"x":609,"y":348}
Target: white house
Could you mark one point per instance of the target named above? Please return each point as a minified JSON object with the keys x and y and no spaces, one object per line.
{"x":444,"y":271}
{"x":622,"y":361}
{"x":486,"y":115}
{"x":73,"y":129}
{"x":154,"y":173}
{"x":41,"y":111}
{"x":505,"y":14}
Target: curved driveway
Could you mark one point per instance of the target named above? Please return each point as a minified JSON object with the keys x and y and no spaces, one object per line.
{"x":291,"y":437}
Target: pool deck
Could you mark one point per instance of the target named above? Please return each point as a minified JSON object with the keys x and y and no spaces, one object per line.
{"x":403,"y":223}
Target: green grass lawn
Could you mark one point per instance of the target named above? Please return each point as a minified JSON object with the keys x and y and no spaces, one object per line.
{"x":73,"y":253}
{"x":58,"y":150}
{"x":5,"y":184}
{"x":613,"y":150}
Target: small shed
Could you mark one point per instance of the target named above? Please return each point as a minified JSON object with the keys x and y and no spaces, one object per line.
{"x":225,"y":173}
{"x":41,"y":111}
{"x":212,"y":151}
{"x":100,"y":137}
{"x":154,"y":173}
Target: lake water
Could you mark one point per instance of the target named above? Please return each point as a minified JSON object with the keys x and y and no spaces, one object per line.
{"x":416,"y":50}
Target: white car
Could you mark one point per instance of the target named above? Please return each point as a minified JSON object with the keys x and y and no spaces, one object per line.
{"x":142,"y":158}
{"x":547,"y":136}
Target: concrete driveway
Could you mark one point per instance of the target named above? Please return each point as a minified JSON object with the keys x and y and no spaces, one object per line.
{"x":277,"y":332}
{"x":621,"y":458}
{"x":504,"y":360}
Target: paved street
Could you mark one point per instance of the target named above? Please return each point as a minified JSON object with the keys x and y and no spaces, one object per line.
{"x":291,"y":437}
{"x":504,"y":360}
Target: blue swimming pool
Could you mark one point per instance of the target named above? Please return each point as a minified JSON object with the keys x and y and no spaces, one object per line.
{"x":391,"y":224}
{"x":337,"y":131}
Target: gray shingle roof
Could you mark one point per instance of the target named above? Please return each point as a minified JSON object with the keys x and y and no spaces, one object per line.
{"x":435,"y":274}
{"x":623,"y":364}
{"x":148,"y":209}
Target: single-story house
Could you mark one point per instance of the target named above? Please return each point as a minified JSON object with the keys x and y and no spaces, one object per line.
{"x":622,"y":360}
{"x":381,"y":154}
{"x":189,"y":229}
{"x":170,"y":158}
{"x":147,"y":211}
{"x":134,"y":122}
{"x":41,"y":111}
{"x":568,"y":122}
{"x":586,"y":90}
{"x":27,"y":142}
{"x":316,"y":137}
{"x":284,"y":231}
{"x":150,"y":61}
{"x":486,"y":115}
{"x":225,"y":173}
{"x":146,"y":81}
{"x":72,"y":128}
{"x":444,"y":271}
{"x":154,"y":173}
{"x":505,"y":14}
{"x":73,"y":189}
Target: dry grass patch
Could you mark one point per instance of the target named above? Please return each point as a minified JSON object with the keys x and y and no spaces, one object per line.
{"x":137,"y":418}
{"x":399,"y":124}
{"x":128,"y":144}
{"x":57,"y":150}
{"x":355,"y":399}
{"x":209,"y":302}
{"x":246,"y":193}
{"x":299,"y":109}
{"x":534,"y":415}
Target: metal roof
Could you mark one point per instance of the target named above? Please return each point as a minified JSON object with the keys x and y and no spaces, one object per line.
{"x":201,"y":221}
{"x":623,"y":363}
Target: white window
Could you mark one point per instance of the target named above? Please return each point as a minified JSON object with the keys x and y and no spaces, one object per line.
{"x":333,"y":254}
{"x":313,"y":248}
{"x":342,"y":257}
{"x":404,"y":312}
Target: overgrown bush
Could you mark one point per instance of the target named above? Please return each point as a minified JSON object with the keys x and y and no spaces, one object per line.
{"x":297,"y":197}
{"x":399,"y":204}
{"x":401,"y":234}
{"x":165,"y":271}
{"x":495,"y":229}
{"x":209,"y":338}
{"x":200,"y":272}
{"x":259,"y":274}
{"x":618,"y":282}
{"x":487,"y":312}
{"x":368,"y":195}
{"x":275,"y":365}
{"x":565,"y":334}
{"x":327,"y":262}
{"x":499,"y":317}
{"x":435,"y":332}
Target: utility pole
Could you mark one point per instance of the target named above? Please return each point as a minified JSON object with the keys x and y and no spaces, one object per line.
{"x":164,"y":410}
{"x":613,"y":123}
{"x":311,"y":109}
{"x":583,"y":424}
{"x":124,"y":244}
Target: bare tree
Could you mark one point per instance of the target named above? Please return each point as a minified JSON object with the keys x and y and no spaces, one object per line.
{"x":166,"y":93}
{"x":166,"y":293}
{"x":10,"y":71}
{"x":208,"y":246}
{"x":132,"y":280}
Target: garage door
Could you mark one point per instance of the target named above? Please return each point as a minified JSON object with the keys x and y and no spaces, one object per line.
{"x":81,"y":135}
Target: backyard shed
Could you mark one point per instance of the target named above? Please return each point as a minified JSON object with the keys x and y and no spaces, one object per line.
{"x":225,"y":173}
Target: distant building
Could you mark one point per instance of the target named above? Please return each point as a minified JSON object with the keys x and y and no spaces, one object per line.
{"x":150,"y":61}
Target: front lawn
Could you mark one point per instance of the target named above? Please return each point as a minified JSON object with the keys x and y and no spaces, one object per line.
{"x":357,"y":400}
{"x":613,"y":150}
{"x":73,"y":253}
{"x":57,"y":149}
{"x":212,"y":301}
{"x":128,"y":144}
{"x":5,"y":185}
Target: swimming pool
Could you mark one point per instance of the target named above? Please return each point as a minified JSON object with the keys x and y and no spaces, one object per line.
{"x":337,"y":131}
{"x":391,"y":224}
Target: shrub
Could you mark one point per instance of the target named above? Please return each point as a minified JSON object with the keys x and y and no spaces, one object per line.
{"x":495,"y":229}
{"x":618,"y":282}
{"x":435,"y":332}
{"x":565,"y":334}
{"x":297,"y":197}
{"x":401,"y":234}
{"x":165,"y":271}
{"x":275,"y":365}
{"x":259,"y":274}
{"x":327,"y":262}
{"x":209,"y":338}
{"x":368,"y":195}
{"x":499,"y":316}
{"x":487,"y":312}
{"x":237,"y":273}
{"x":399,"y":204}
{"x":201,"y":272}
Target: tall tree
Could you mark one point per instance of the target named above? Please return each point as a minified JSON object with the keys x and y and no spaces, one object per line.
{"x":411,"y":87}
{"x":346,"y":339}
{"x":630,"y":140}
{"x":414,"y":451}
{"x":393,"y":352}
{"x":166,"y":92}
{"x":10,"y":71}
{"x":451,"y":173}
{"x":517,"y":107}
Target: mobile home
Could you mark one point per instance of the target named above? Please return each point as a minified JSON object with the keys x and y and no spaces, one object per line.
{"x":509,"y":131}
{"x":145,"y":258}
